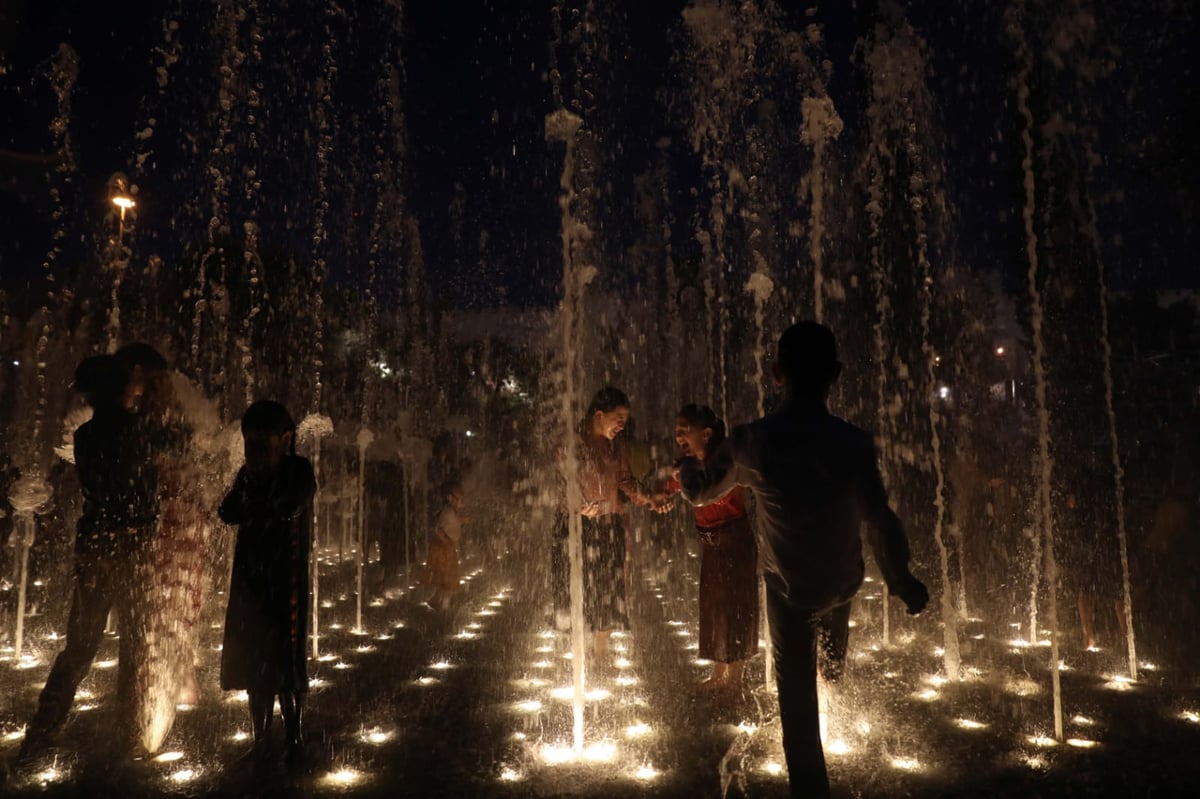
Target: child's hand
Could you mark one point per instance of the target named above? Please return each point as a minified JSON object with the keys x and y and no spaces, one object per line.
{"x":590,"y":510}
{"x":661,"y":503}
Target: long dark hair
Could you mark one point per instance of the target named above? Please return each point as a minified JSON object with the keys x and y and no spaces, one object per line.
{"x":704,"y":418}
{"x":607,"y":400}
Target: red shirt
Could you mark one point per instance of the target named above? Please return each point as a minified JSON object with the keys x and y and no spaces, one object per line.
{"x":728,"y":507}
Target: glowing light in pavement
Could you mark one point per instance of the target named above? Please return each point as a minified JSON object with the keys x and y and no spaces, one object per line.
{"x":747,"y":727}
{"x":645,"y":773}
{"x":425,"y":680}
{"x":183,"y":775}
{"x":365,"y":649}
{"x":341,"y":664}
{"x":14,"y":735}
{"x":1119,"y":682}
{"x":906,"y":763}
{"x":509,"y":775}
{"x":1035,"y":761}
{"x":441,"y":665}
{"x":637,"y":730}
{"x":1190,"y":715}
{"x":376,"y":736}
{"x":773,"y":768}
{"x":542,"y":664}
{"x":622,"y":663}
{"x":50,"y":775}
{"x":240,"y":735}
{"x":1084,"y":720}
{"x":928,"y":695}
{"x":837,"y":747}
{"x":626,"y":681}
{"x":343,"y":777}
{"x":529,"y":706}
{"x":1043,"y":741}
{"x":567,"y":693}
{"x":970,"y":724}
{"x":1081,"y":743}
{"x":936,"y":680}
{"x":169,"y":757}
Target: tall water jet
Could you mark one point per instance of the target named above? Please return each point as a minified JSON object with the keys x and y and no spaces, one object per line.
{"x":1114,"y":443}
{"x":760,"y":286}
{"x":1044,"y":535}
{"x":364,"y":441}
{"x":312,"y":430}
{"x":821,"y":125}
{"x":564,"y":126}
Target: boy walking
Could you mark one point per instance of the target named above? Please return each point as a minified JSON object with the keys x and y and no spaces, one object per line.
{"x":815,"y":481}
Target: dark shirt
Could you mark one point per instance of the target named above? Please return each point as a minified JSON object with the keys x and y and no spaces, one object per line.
{"x":815,"y":480}
{"x":115,"y":456}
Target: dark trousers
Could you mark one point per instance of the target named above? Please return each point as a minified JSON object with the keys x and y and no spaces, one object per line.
{"x":100,"y":584}
{"x":794,"y":636}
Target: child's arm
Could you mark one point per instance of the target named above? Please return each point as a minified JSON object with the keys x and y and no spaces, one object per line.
{"x":887,"y":539}
{"x":235,"y":507}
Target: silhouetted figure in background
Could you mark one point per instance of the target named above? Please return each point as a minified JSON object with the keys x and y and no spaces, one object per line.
{"x":266,"y":622}
{"x":115,"y":458}
{"x":815,"y":480}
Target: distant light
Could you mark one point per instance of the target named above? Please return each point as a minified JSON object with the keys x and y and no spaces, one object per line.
{"x":470,"y":434}
{"x":345,"y":776}
{"x":376,"y":736}
{"x":944,"y":392}
{"x":16,"y":363}
{"x":838,"y":747}
{"x":645,"y":773}
{"x":637,"y":730}
{"x":1000,"y":352}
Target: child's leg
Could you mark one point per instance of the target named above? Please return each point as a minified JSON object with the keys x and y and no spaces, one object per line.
{"x":291,"y":705}
{"x":262,"y":710}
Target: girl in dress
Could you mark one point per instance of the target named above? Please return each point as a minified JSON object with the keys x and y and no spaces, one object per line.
{"x":729,"y":563}
{"x":266,"y":621}
{"x":605,"y":482}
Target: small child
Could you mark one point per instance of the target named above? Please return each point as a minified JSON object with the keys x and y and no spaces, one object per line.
{"x":441,"y":568}
{"x":265,"y":624}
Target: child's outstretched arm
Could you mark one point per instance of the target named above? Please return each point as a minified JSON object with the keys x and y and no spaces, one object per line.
{"x":887,"y":539}
{"x":235,"y":507}
{"x":705,"y":481}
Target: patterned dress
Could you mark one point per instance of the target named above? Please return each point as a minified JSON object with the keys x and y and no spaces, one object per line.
{"x":728,"y":578}
{"x":266,"y":620}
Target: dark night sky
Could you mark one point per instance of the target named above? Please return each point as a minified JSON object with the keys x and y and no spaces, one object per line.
{"x":483,"y":183}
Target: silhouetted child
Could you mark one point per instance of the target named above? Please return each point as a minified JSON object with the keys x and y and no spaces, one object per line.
{"x":441,"y":567}
{"x":815,"y":480}
{"x":265,"y":623}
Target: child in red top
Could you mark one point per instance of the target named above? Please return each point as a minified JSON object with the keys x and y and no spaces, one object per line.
{"x":729,"y":564}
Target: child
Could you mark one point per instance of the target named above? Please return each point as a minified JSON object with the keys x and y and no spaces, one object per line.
{"x":815,"y":481}
{"x":729,"y":565}
{"x":441,"y":569}
{"x":265,"y":623}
